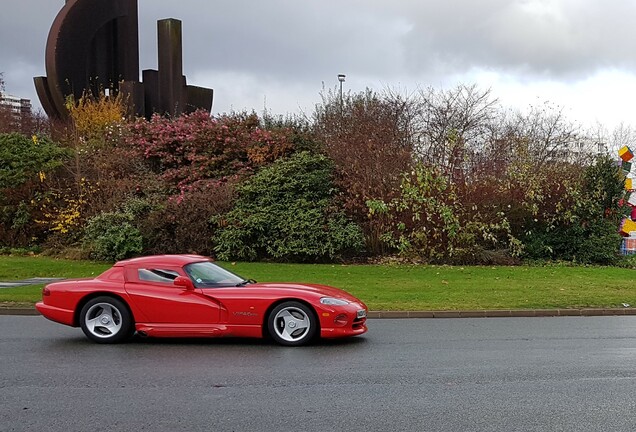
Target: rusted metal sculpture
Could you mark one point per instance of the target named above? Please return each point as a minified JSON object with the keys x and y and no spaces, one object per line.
{"x":94,"y":45}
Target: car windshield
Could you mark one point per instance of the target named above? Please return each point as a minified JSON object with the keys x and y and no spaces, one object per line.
{"x":206,"y":274}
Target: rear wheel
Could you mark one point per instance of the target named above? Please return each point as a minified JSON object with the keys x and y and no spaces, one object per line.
{"x":106,"y":320}
{"x":292,"y":324}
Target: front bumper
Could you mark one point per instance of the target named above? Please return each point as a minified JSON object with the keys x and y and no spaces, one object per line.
{"x":338,"y":332}
{"x":343,"y":321}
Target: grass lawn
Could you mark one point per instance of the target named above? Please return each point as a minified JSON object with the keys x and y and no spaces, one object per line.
{"x":396,"y":287}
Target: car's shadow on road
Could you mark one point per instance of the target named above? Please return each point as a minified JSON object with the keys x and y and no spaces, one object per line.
{"x":82,"y":343}
{"x":230,"y":341}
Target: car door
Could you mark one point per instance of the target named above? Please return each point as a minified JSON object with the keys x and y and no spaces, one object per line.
{"x":152,"y":289}
{"x":241,"y":305}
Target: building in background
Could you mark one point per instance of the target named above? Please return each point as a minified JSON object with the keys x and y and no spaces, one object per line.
{"x":15,"y":110}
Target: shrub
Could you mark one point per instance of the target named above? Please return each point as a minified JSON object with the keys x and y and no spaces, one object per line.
{"x":182,"y":224}
{"x":25,"y":159}
{"x":20,"y":251}
{"x":195,"y":147}
{"x":285,"y":212}
{"x":594,"y":243}
{"x":95,"y":117}
{"x":586,"y":230}
{"x":112,"y":237}
{"x":101,"y":175}
{"x":427,"y":221}
{"x":26,"y":168}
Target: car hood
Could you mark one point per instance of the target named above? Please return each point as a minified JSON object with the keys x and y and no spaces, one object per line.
{"x":322,"y":290}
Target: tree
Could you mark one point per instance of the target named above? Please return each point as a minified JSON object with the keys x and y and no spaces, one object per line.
{"x":546,"y":134}
{"x":454,"y":126}
{"x":369,"y":138}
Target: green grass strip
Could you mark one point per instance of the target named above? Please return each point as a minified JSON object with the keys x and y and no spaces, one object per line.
{"x":397,"y":287}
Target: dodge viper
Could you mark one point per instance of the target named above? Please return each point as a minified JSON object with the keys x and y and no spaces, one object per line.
{"x":191,"y":296}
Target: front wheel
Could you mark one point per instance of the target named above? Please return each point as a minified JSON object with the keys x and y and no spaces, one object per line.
{"x":106,"y":320}
{"x":292,"y":324}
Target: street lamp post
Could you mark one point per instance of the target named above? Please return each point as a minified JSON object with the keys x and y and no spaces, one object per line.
{"x":341,"y":78}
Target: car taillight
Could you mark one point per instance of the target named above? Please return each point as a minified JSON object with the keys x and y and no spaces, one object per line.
{"x":46,"y":292}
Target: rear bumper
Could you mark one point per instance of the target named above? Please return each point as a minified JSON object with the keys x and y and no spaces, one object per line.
{"x":62,"y":316}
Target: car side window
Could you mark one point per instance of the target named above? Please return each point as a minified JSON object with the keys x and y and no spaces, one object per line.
{"x":208,"y":275}
{"x":157,"y":275}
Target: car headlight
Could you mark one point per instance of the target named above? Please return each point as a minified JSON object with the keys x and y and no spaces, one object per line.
{"x":330,"y":301}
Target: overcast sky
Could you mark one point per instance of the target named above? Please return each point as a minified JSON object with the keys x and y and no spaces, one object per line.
{"x":579,"y":54}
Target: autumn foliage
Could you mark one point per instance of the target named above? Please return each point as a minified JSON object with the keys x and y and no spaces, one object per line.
{"x":196,"y":148}
{"x":435,"y":176}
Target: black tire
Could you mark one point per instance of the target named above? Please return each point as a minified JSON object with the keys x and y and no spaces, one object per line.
{"x":292,"y":324}
{"x":106,"y":320}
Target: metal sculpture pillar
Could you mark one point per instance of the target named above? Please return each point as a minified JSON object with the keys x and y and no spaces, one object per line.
{"x":94,"y":45}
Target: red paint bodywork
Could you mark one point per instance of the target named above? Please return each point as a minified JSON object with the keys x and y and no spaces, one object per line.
{"x":167,"y":310}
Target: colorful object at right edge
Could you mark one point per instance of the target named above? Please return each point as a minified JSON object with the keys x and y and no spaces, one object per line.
{"x":628,"y":225}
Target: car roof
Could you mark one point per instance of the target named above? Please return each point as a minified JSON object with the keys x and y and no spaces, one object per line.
{"x":179,"y":260}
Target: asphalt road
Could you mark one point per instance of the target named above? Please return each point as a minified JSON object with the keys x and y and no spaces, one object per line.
{"x":500,"y":374}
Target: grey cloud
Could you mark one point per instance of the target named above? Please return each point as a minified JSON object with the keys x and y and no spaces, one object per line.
{"x":548,"y":38}
{"x":288,"y":39}
{"x":305,"y":42}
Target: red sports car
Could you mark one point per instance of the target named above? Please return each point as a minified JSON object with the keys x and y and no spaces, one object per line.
{"x":190,"y":296}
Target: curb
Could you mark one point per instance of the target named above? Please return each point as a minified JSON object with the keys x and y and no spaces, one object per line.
{"x":19,"y":311}
{"x":496,"y":313}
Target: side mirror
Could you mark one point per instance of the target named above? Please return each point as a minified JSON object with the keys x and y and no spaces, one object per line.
{"x":182,"y":281}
